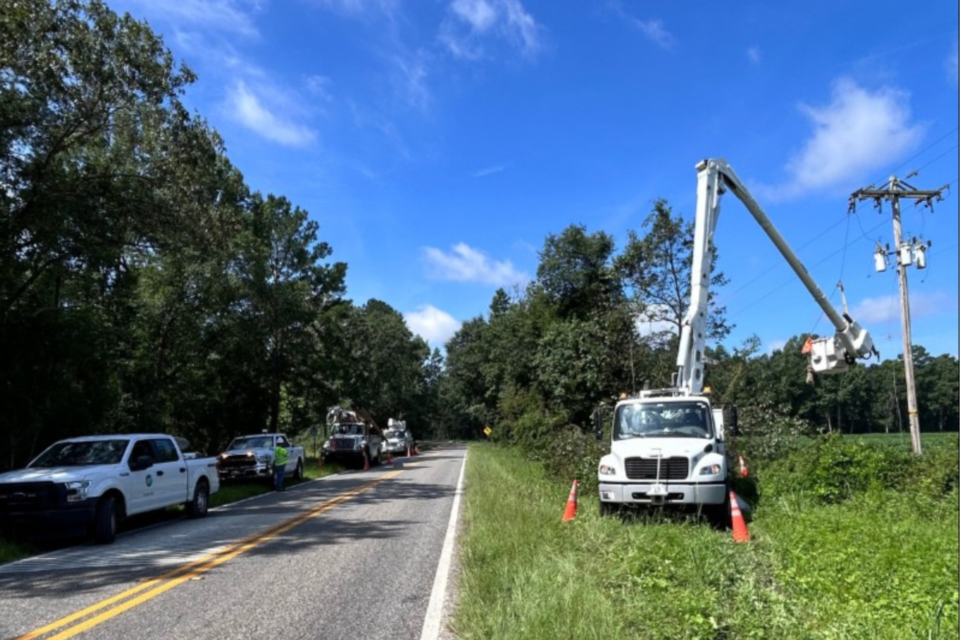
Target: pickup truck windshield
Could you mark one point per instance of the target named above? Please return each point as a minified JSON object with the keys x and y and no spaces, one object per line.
{"x":256,"y":442}
{"x":662,"y":420}
{"x":79,"y":454}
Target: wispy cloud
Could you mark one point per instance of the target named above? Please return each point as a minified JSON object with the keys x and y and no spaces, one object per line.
{"x":247,"y":108}
{"x":234,"y":16}
{"x":488,"y":171}
{"x":471,"y":24}
{"x":754,"y":55}
{"x":887,"y":308}
{"x":950,"y":64}
{"x":465,"y":264}
{"x":858,"y":133}
{"x":433,"y":325}
{"x":654,"y":31}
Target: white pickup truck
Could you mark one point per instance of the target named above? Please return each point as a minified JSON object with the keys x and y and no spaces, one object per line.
{"x":252,"y":457}
{"x":86,"y":485}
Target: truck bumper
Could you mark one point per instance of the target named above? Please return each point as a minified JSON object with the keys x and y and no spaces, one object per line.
{"x":259,"y":471}
{"x":680,"y":493}
{"x":395,"y":448}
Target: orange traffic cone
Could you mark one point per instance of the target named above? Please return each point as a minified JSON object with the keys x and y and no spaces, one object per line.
{"x":366,"y":462}
{"x":408,"y":451}
{"x":740,"y":533}
{"x":743,"y":468}
{"x":571,"y":511}
{"x":389,"y":460}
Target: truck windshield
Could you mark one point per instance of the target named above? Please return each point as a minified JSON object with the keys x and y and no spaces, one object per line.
{"x":257,"y":442}
{"x":662,"y":420}
{"x":348,"y":429}
{"x":79,"y":454}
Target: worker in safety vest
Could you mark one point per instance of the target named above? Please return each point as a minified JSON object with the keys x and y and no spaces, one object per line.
{"x":280,"y":458}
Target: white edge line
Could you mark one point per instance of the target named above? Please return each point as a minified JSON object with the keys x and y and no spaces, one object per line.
{"x":431,"y":623}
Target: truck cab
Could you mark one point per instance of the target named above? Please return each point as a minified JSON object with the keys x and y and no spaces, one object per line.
{"x":665,"y":449}
{"x":353,"y":443}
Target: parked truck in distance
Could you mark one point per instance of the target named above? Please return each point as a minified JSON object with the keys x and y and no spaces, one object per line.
{"x":86,"y":485}
{"x":398,"y":438}
{"x":355,"y":438}
{"x":251,"y":457}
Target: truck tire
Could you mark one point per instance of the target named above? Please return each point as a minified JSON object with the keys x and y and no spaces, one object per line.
{"x":298,"y":473}
{"x":105,"y":520}
{"x":198,"y":507}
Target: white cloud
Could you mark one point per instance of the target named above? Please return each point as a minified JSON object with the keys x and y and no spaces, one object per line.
{"x":654,"y":31}
{"x":858,"y":133}
{"x":471,"y":23}
{"x":412,"y":80}
{"x":234,"y":16}
{"x":754,"y":55}
{"x":951,"y":63}
{"x":432,"y":324}
{"x":650,"y":323}
{"x":465,"y":264}
{"x":776,"y":345}
{"x":247,"y":108}
{"x":887,"y":308}
{"x":488,"y":171}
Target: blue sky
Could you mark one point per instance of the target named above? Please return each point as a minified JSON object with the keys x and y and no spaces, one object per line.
{"x":438,"y":142}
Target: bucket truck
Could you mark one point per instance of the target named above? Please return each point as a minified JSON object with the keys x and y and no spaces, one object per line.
{"x":668,"y":445}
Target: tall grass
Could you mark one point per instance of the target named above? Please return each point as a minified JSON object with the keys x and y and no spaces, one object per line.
{"x":877,"y":567}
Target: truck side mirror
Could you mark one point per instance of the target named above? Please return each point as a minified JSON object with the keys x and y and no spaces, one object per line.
{"x":730,"y":424}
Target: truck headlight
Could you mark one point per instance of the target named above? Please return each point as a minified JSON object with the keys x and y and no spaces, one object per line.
{"x":608,"y":470}
{"x":710,"y":470}
{"x":77,"y":490}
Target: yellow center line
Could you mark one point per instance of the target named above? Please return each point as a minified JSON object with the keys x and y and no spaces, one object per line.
{"x":171,"y":579}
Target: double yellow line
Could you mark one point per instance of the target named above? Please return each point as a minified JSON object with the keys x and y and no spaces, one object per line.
{"x":155,"y":586}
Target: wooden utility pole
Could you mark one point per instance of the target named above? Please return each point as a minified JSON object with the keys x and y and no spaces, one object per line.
{"x":906,"y":254}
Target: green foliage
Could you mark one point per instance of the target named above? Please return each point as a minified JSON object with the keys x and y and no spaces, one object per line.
{"x":857,"y":570}
{"x":832,"y":469}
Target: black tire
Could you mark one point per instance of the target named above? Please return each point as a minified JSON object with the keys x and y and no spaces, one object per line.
{"x":105,"y":520}
{"x":198,"y":507}
{"x":298,"y":472}
{"x":718,"y":515}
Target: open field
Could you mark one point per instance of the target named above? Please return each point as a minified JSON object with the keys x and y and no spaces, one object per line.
{"x":880,"y":565}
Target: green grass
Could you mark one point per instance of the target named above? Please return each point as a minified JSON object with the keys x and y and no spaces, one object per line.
{"x":878,"y":567}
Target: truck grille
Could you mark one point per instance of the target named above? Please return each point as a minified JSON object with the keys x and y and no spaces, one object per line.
{"x":646,"y":468}
{"x":237,"y":462}
{"x":27,"y":495}
{"x":343,"y":444}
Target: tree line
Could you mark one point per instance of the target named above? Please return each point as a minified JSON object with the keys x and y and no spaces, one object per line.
{"x":144,"y":286}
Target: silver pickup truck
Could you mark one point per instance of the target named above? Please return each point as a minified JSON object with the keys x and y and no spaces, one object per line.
{"x":86,"y":485}
{"x":252,"y":457}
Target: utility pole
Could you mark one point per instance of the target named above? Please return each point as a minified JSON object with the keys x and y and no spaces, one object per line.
{"x":906,"y":253}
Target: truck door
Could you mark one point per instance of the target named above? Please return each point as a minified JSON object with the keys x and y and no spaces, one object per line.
{"x":170,"y":473}
{"x":139,"y":488}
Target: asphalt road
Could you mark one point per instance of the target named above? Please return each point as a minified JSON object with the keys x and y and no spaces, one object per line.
{"x":350,"y":556}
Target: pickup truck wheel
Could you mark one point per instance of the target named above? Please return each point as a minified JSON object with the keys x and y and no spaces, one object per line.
{"x":198,"y":507}
{"x":105,"y":521}
{"x":298,"y":474}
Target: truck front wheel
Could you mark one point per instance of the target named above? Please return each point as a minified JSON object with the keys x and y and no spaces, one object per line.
{"x":198,"y":507}
{"x":298,"y":473}
{"x":105,"y":521}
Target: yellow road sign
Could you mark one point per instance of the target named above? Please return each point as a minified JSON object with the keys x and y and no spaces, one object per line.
{"x":487,"y":430}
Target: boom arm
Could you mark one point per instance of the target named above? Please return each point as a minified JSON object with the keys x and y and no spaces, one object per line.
{"x":828,"y":355}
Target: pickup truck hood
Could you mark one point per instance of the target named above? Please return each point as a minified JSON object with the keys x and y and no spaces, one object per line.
{"x":242,"y":452}
{"x":47,"y":474}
